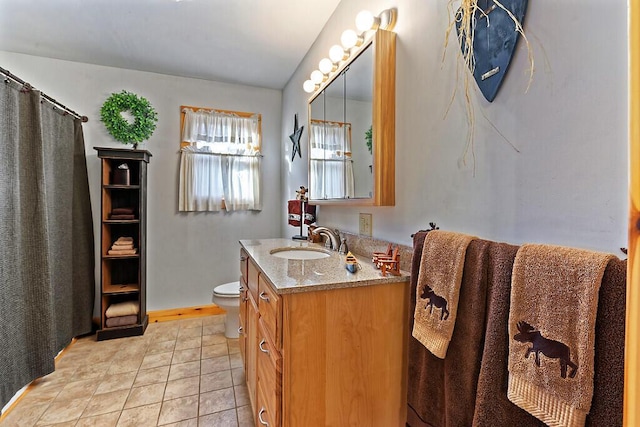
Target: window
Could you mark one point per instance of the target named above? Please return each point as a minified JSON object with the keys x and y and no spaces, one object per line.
{"x":220,"y":160}
{"x":330,"y":160}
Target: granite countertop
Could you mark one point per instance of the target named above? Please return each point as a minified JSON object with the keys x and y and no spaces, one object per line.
{"x":291,"y":276}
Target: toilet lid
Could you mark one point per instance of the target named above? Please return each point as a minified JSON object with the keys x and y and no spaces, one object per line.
{"x":228,"y":289}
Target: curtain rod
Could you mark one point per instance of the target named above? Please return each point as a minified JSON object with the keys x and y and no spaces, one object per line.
{"x":28,"y":87}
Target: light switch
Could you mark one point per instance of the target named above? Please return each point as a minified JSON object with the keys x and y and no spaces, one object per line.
{"x":365,"y":224}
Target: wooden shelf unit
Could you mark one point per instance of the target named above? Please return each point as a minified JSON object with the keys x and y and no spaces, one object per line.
{"x":123,"y":276}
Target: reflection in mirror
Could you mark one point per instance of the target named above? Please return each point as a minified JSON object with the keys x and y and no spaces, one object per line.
{"x":338,"y":168}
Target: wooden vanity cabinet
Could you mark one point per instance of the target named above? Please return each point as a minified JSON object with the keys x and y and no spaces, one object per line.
{"x":327,"y":357}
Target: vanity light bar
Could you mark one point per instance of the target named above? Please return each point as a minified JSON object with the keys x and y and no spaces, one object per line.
{"x":365,"y":22}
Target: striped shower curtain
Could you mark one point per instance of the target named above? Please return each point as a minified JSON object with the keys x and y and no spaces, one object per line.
{"x":47,"y":281}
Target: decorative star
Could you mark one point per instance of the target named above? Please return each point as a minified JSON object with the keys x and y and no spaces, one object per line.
{"x":295,"y":138}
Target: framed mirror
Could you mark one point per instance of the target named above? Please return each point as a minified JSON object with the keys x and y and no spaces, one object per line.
{"x":352,"y":129}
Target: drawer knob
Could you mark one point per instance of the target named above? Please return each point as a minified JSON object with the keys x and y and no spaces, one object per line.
{"x":240,"y":329}
{"x":243,"y":258}
{"x":262,"y":349}
{"x":263,"y":296}
{"x":263,"y":422}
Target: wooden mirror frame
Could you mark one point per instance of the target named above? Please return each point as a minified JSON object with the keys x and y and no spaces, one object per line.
{"x":383,"y":126}
{"x":631,"y":415}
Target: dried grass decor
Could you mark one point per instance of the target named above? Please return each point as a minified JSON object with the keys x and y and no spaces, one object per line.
{"x":464,"y":19}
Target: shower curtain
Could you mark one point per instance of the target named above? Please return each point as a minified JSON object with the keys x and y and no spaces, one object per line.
{"x":46,"y":237}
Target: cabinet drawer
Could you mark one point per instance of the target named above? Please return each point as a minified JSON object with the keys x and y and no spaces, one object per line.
{"x":270,"y":311}
{"x":269,"y":378}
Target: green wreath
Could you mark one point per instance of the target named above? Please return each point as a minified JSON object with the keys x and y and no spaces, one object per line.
{"x":128,"y":133}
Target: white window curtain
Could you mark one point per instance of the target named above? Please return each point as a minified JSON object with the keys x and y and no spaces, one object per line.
{"x":221,"y":167}
{"x":330,"y":161}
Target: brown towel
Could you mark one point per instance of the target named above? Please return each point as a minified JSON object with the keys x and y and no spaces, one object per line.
{"x":295,"y":212}
{"x":122,"y":216}
{"x":554,"y":301}
{"x":438,"y":289}
{"x":309,"y":214}
{"x":125,"y":239}
{"x":112,"y":322}
{"x":122,"y":245}
{"x":442,"y":392}
{"x":493,"y":408}
{"x":122,"y":211}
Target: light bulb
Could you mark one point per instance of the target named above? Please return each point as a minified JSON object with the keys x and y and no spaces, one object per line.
{"x":309,"y":86}
{"x":349,"y":39}
{"x":336,"y":53}
{"x":366,"y":21}
{"x":325,"y":65}
{"x":317,"y":77}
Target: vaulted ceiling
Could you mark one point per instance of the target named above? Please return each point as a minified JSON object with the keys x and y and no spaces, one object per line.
{"x":252,"y":42}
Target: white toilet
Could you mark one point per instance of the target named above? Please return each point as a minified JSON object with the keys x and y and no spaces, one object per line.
{"x":227,"y":296}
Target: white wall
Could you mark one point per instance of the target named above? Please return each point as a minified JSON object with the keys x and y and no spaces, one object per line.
{"x":567,"y":184}
{"x":187,"y":253}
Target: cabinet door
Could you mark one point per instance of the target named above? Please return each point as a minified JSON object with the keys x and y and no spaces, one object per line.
{"x":269,"y":305}
{"x":269,"y":378}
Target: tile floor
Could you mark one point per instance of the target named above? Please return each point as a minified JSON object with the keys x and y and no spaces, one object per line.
{"x":180,"y":373}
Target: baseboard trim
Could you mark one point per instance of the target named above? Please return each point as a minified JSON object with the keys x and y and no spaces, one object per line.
{"x":184,"y":313}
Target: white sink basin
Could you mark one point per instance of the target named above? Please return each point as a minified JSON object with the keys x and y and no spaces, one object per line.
{"x":299,"y":253}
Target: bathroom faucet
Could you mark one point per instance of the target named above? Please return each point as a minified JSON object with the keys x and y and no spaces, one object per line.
{"x":333,"y":241}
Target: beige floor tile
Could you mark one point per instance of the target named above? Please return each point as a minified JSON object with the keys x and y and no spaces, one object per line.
{"x":235,"y":360}
{"x":213,"y":329}
{"x":245,"y":416}
{"x":190,"y":332}
{"x":126,"y":365}
{"x":238,"y":376}
{"x":191,"y":323}
{"x":78,"y":389}
{"x":193,"y":422}
{"x":183,"y":370}
{"x":93,"y":371}
{"x":145,"y":395}
{"x":161,"y":347}
{"x":166,"y":335}
{"x":189,"y":342}
{"x":155,"y":360}
{"x":63,"y":411}
{"x":180,"y":409}
{"x":182,"y":388}
{"x":242,"y":395}
{"x":183,"y":356}
{"x":104,"y":420}
{"x":216,"y":401}
{"x":214,"y":350}
{"x":234,"y":346}
{"x":24,"y":415}
{"x":141,"y":416}
{"x":213,"y":339}
{"x":122,"y":381}
{"x":213,"y":320}
{"x":215,"y":364}
{"x":226,"y":418}
{"x":105,"y":403}
{"x":215,"y":381}
{"x":151,"y":376}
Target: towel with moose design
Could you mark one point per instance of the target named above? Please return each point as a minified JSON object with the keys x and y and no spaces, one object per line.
{"x":438,"y":289}
{"x":554,"y":303}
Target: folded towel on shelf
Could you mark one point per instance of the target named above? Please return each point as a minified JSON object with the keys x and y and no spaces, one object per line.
{"x":122,"y":245}
{"x":113,"y":322}
{"x":294,"y":208}
{"x":122,"y":211}
{"x":125,"y":239}
{"x":309,"y":214}
{"x":125,"y":308}
{"x":122,"y":216}
{"x":438,"y":289}
{"x":122,"y":252}
{"x":442,"y":392}
{"x":552,"y":316}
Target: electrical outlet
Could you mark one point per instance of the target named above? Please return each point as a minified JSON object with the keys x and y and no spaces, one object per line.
{"x":366,"y":226}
